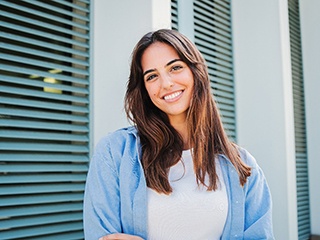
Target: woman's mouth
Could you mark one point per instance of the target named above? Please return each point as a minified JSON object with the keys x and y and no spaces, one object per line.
{"x":172,"y":96}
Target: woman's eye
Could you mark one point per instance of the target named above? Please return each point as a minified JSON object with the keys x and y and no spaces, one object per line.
{"x":175,"y":68}
{"x":153,"y":76}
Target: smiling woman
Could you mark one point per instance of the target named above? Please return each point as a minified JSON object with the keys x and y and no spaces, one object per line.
{"x":175,"y":170}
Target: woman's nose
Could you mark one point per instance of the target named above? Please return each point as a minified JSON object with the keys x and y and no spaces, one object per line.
{"x":166,"y":81}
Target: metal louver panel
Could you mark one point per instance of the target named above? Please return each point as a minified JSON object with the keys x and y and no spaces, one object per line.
{"x":299,"y":122}
{"x":44,"y":117}
{"x":174,"y":14}
{"x":212,"y":23}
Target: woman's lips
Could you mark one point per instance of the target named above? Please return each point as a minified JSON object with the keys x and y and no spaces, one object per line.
{"x":173,"y":96}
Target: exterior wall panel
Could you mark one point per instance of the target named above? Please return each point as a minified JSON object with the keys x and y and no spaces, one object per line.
{"x":44,"y":117}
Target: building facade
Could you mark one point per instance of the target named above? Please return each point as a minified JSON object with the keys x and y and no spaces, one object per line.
{"x":63,"y":72}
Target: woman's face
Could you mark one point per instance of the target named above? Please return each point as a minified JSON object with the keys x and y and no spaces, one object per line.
{"x":168,"y":80}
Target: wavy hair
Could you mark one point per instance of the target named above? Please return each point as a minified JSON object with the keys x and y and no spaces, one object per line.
{"x":161,"y":144}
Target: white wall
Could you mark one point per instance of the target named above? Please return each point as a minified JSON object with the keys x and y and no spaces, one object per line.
{"x":310,"y":37}
{"x":264,"y":102}
{"x":117,"y":26}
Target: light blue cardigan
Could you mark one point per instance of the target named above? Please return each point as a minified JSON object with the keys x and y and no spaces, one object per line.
{"x":116,"y":198}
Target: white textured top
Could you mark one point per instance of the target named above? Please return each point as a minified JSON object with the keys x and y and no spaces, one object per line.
{"x":189,"y":212}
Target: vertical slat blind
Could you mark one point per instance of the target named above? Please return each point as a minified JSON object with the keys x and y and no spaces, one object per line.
{"x":44,"y":117}
{"x":212,"y":27}
{"x":299,"y":122}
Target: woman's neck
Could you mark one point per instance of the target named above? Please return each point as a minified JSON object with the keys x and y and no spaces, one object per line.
{"x":182,"y":128}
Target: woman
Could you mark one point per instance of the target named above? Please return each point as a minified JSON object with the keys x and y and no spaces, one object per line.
{"x":175,"y":174}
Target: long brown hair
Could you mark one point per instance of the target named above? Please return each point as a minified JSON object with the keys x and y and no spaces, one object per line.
{"x":161,"y":144}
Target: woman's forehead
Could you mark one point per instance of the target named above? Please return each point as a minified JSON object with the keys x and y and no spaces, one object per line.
{"x":158,"y":55}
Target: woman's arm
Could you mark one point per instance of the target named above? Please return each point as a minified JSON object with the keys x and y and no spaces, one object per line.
{"x":102,"y":200}
{"x":258,"y":205}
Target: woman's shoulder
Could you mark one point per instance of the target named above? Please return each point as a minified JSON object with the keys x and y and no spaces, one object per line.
{"x":120,"y":134}
{"x":257,"y":174}
{"x":246,"y":157}
{"x":116,"y":146}
{"x":118,"y":139}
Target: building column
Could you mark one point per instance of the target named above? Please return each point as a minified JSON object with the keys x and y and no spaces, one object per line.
{"x":264,"y":101}
{"x":310,"y":38}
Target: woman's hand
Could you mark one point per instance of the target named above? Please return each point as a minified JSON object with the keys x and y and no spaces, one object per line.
{"x":120,"y":236}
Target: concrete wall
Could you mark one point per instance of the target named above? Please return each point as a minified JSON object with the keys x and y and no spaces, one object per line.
{"x":264,"y":102}
{"x":310,"y":36}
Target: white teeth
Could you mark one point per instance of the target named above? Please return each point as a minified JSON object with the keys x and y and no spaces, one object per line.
{"x":173,"y":95}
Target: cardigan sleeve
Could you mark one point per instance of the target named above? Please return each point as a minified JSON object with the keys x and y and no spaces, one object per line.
{"x":258,"y":204}
{"x":101,"y":199}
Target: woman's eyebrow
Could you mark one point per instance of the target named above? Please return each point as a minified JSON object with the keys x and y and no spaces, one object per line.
{"x":168,"y":64}
{"x":148,"y":71}
{"x":173,"y":61}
